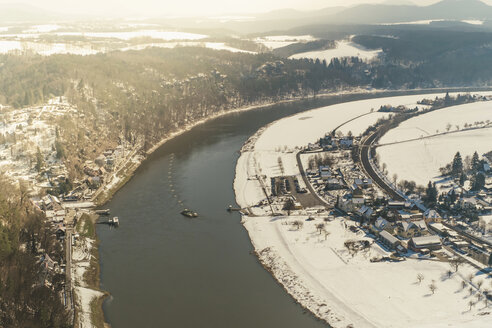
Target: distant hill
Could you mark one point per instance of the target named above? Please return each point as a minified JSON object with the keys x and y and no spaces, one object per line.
{"x":17,"y":13}
{"x":446,"y":9}
{"x":364,"y":14}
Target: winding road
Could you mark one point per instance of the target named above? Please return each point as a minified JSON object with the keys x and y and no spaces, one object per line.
{"x":364,"y":149}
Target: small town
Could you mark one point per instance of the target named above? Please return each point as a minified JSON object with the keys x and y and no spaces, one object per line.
{"x":458,"y":225}
{"x":32,"y":157}
{"x":340,"y":181}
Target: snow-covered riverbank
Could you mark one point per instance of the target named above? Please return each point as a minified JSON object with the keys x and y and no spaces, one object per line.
{"x":315,"y":268}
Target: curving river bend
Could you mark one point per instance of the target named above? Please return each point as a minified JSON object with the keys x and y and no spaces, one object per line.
{"x":164,"y":270}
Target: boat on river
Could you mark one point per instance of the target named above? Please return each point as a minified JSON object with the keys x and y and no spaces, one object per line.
{"x":115,"y":221}
{"x":189,"y":213}
{"x":103,"y":212}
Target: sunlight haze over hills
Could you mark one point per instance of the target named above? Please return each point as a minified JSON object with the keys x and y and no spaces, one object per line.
{"x":193,"y":7}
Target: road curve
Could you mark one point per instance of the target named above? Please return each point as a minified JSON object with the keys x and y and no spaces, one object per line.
{"x":365,"y":148}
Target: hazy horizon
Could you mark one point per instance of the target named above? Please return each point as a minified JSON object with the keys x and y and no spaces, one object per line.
{"x":153,"y":8}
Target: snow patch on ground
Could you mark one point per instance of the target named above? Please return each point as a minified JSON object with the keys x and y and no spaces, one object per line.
{"x":430,"y":154}
{"x":45,"y":28}
{"x":279,"y":41}
{"x":344,"y":289}
{"x":81,"y":257}
{"x":155,"y":34}
{"x":343,"y":49}
{"x":309,"y":126}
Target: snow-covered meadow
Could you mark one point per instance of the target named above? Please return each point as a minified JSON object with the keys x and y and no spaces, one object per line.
{"x":47,"y":49}
{"x":154,"y":34}
{"x":343,"y":289}
{"x":343,"y":49}
{"x":300,"y":129}
{"x":279,"y":41}
{"x":420,"y":160}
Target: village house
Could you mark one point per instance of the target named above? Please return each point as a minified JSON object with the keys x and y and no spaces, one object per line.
{"x":409,"y":229}
{"x":469,"y":203}
{"x":396,"y":205}
{"x":333,"y":184}
{"x":346,"y":142}
{"x":48,"y":264}
{"x":431,"y":215}
{"x":379,"y":225}
{"x":365,"y":212}
{"x":389,"y":240}
{"x":439,"y":228}
{"x":421,"y":244}
{"x":479,"y":254}
{"x":324,"y":172}
{"x":363,"y":183}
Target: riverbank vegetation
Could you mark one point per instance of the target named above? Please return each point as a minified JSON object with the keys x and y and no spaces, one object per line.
{"x":30,"y":282}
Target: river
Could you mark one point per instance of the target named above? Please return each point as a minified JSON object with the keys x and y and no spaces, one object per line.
{"x":165,"y":270}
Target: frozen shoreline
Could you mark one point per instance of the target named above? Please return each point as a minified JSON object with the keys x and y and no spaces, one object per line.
{"x":317,"y":272}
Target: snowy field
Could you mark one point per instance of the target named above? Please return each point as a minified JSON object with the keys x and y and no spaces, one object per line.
{"x":351,"y":290}
{"x":319,"y":272}
{"x":309,"y":126}
{"x":154,"y":34}
{"x":343,"y":49}
{"x":359,"y":125}
{"x":45,"y":28}
{"x":6,"y":46}
{"x":430,"y":154}
{"x":279,"y":41}
{"x":210,"y":45}
{"x":48,"y":49}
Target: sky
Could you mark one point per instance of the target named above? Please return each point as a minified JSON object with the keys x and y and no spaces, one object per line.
{"x":192,"y":7}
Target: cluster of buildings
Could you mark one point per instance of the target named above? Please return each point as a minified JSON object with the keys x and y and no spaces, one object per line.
{"x":28,"y":137}
{"x":401,"y":226}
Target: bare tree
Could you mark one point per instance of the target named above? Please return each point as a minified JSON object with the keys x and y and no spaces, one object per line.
{"x":449,"y":273}
{"x":280,"y":165}
{"x":448,"y":127}
{"x":395,"y":178}
{"x":470,"y":277}
{"x":420,"y":277}
{"x":298,"y":224}
{"x":320,"y":227}
{"x":471,"y":304}
{"x":470,"y":290}
{"x":327,"y":233}
{"x":456,"y":263}
{"x":463,"y":284}
{"x":479,"y":283}
{"x":433,"y":287}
